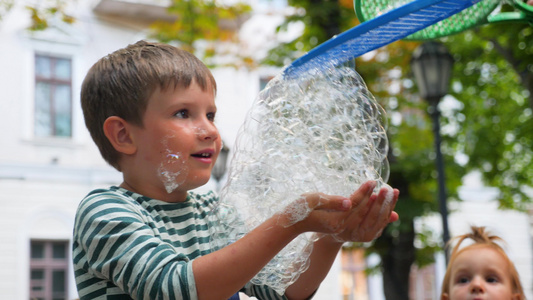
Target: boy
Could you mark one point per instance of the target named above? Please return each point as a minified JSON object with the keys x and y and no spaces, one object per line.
{"x":150,"y":110}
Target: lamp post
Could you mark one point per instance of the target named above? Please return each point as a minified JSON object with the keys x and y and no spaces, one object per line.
{"x":432,"y":65}
{"x":219,"y":169}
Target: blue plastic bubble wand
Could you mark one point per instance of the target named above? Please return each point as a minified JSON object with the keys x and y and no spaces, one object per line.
{"x":375,"y":33}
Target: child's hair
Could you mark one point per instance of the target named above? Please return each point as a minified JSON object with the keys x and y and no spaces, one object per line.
{"x":121,"y":83}
{"x":481,"y":238}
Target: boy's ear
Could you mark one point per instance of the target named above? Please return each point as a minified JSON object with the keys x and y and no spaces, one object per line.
{"x":444,"y":296}
{"x":117,"y":131}
{"x":517,"y":296}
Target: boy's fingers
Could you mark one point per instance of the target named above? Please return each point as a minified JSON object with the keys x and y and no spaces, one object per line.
{"x":381,"y":209}
{"x":360,"y":213}
{"x":337,"y":203}
{"x":321,"y":201}
{"x":362,"y":192}
{"x":368,"y":219}
{"x":387,"y":198}
{"x":394,"y":217}
{"x":362,"y":202}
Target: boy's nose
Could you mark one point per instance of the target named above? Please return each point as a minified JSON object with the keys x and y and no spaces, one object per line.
{"x":207,"y":130}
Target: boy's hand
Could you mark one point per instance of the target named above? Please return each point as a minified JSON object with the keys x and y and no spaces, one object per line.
{"x":359,"y":219}
{"x":370,"y":213}
{"x":316,"y":212}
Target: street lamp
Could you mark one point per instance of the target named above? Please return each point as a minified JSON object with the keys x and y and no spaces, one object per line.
{"x":432,"y":65}
{"x":219,"y":169}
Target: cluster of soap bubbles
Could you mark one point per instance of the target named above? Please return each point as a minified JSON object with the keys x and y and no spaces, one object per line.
{"x":319,"y":132}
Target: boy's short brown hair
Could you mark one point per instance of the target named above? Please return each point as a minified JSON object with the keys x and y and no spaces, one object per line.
{"x":121,"y":83}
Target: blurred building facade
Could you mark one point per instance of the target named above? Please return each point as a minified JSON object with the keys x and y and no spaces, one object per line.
{"x":48,"y":161}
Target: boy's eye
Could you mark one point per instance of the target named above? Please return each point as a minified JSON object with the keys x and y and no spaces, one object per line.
{"x":492,"y":279}
{"x":183,"y":114}
{"x":211,"y":117}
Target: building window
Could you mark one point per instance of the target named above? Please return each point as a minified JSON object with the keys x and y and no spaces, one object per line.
{"x":49,"y":261}
{"x":53,"y":97}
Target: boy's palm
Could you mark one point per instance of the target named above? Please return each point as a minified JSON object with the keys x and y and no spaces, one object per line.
{"x":318,"y":212}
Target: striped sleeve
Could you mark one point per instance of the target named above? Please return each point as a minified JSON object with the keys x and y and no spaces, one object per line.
{"x":115,"y":251}
{"x":262,"y":292}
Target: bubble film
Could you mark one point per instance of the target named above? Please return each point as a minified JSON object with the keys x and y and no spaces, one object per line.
{"x":320,"y":132}
{"x":173,"y":169}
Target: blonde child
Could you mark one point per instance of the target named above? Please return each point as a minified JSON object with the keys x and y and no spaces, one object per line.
{"x":150,"y":108}
{"x":481,"y":270}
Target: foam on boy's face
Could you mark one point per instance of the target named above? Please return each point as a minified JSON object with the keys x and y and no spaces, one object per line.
{"x":173,"y":169}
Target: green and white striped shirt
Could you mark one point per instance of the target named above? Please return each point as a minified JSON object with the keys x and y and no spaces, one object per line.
{"x":128,"y":246}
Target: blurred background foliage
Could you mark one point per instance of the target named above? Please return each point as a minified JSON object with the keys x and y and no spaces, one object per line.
{"x":202,"y":27}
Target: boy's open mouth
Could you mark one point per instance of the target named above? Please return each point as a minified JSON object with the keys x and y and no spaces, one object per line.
{"x":202,"y":155}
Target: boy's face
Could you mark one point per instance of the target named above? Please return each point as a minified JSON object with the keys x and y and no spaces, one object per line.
{"x":480,"y":273}
{"x":179,"y":142}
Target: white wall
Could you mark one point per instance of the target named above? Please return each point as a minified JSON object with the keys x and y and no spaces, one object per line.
{"x":33,"y":209}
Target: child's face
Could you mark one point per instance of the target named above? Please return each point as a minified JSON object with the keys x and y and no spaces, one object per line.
{"x":480,"y":273}
{"x":179,"y":142}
